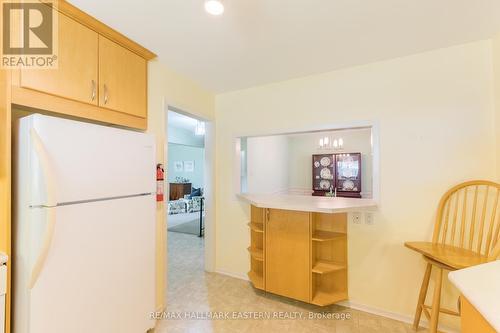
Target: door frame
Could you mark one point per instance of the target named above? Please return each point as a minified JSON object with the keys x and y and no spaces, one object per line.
{"x":208,"y":178}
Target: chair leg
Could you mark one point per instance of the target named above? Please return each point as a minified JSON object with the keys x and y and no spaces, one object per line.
{"x":422,"y":295}
{"x":436,"y":302}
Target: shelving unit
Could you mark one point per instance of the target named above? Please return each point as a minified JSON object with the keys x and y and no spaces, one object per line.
{"x":323,"y":298}
{"x":324,"y":267}
{"x":257,"y":227}
{"x":257,"y":279}
{"x":257,"y":254}
{"x":298,"y":254}
{"x":257,"y":247}
{"x":328,"y":258}
{"x":324,"y":236}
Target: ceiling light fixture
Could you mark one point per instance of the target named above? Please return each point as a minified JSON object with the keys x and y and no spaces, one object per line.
{"x":214,"y":7}
{"x":328,"y":144}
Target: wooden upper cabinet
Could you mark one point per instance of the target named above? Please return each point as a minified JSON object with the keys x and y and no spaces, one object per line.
{"x":101,"y":74}
{"x":122,"y":79}
{"x":76,"y":76}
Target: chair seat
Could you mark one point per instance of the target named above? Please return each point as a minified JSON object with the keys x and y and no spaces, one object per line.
{"x":451,"y":256}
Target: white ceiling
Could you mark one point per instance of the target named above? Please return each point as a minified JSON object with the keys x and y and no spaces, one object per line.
{"x":261,"y":41}
{"x":181,"y":121}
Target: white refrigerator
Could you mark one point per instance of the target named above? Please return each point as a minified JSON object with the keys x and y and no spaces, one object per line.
{"x":83,"y":228}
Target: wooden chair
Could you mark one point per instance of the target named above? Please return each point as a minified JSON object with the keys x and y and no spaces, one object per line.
{"x":466,"y":233}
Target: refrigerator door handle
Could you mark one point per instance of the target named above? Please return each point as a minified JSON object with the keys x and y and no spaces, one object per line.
{"x":44,"y":251}
{"x":51,"y":203}
{"x":47,"y":171}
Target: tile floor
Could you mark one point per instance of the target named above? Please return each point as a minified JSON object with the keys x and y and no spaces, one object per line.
{"x":191,"y":290}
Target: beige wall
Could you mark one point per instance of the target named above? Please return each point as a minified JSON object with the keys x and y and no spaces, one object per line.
{"x":165,"y":87}
{"x":267,"y":164}
{"x":496,"y":76}
{"x":435,"y":114}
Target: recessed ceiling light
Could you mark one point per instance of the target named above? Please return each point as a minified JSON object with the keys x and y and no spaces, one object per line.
{"x":214,"y":7}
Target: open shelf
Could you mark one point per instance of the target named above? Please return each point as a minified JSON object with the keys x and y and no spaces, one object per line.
{"x":323,"y":298}
{"x":257,"y":227}
{"x":256,"y":279}
{"x":329,"y":258}
{"x":325,"y":266}
{"x":257,"y":254}
{"x":324,"y":236}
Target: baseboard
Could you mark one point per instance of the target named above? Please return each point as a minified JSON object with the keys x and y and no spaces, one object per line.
{"x":393,"y":315}
{"x":237,"y":276}
{"x":365,"y":308}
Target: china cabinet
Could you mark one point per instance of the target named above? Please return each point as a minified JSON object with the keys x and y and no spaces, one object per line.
{"x":337,"y":174}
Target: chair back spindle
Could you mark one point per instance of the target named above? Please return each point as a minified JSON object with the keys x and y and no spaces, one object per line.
{"x":468,"y":218}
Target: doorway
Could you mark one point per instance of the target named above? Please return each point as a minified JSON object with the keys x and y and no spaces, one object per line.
{"x":185,"y":174}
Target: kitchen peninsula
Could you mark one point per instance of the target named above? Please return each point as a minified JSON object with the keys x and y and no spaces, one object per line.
{"x":298,"y":245}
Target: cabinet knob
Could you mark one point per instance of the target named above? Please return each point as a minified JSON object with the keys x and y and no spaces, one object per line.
{"x":105,"y":94}
{"x":93,"y":90}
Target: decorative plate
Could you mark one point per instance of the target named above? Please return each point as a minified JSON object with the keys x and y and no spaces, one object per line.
{"x":348,"y":185}
{"x":325,"y":161}
{"x":347,"y":173}
{"x":326,"y":173}
{"x":324,"y":184}
{"x":316,"y":164}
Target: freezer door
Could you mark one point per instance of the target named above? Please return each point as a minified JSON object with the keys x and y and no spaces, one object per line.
{"x":99,"y":272}
{"x":79,"y":161}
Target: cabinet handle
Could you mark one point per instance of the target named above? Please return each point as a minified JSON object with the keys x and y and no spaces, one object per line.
{"x":105,"y":94}
{"x":93,"y":90}
{"x":267,"y":214}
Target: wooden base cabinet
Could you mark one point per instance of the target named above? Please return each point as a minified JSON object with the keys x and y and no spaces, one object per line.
{"x":287,"y":259}
{"x":300,"y":255}
{"x":472,"y":321}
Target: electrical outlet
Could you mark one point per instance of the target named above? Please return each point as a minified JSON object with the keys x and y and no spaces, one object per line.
{"x":356,"y":218}
{"x":369,"y":218}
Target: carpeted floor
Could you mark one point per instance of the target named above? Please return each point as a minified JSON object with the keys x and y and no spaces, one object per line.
{"x":188,"y":223}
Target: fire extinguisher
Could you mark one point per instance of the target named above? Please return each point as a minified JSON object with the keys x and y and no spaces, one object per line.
{"x":159,"y":182}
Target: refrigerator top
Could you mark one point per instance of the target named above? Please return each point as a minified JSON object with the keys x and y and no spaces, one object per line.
{"x":64,"y":161}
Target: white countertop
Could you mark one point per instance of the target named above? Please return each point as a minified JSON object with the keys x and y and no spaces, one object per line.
{"x":3,"y":258}
{"x":481,"y":286}
{"x":308,"y":203}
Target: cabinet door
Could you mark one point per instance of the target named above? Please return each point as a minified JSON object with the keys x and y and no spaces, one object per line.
{"x":288,"y":259}
{"x":76,"y":75}
{"x":122,"y":79}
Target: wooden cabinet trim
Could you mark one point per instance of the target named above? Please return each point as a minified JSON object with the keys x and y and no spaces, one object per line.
{"x":63,"y":106}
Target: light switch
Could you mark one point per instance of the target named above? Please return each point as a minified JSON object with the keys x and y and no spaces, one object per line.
{"x":369,"y":218}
